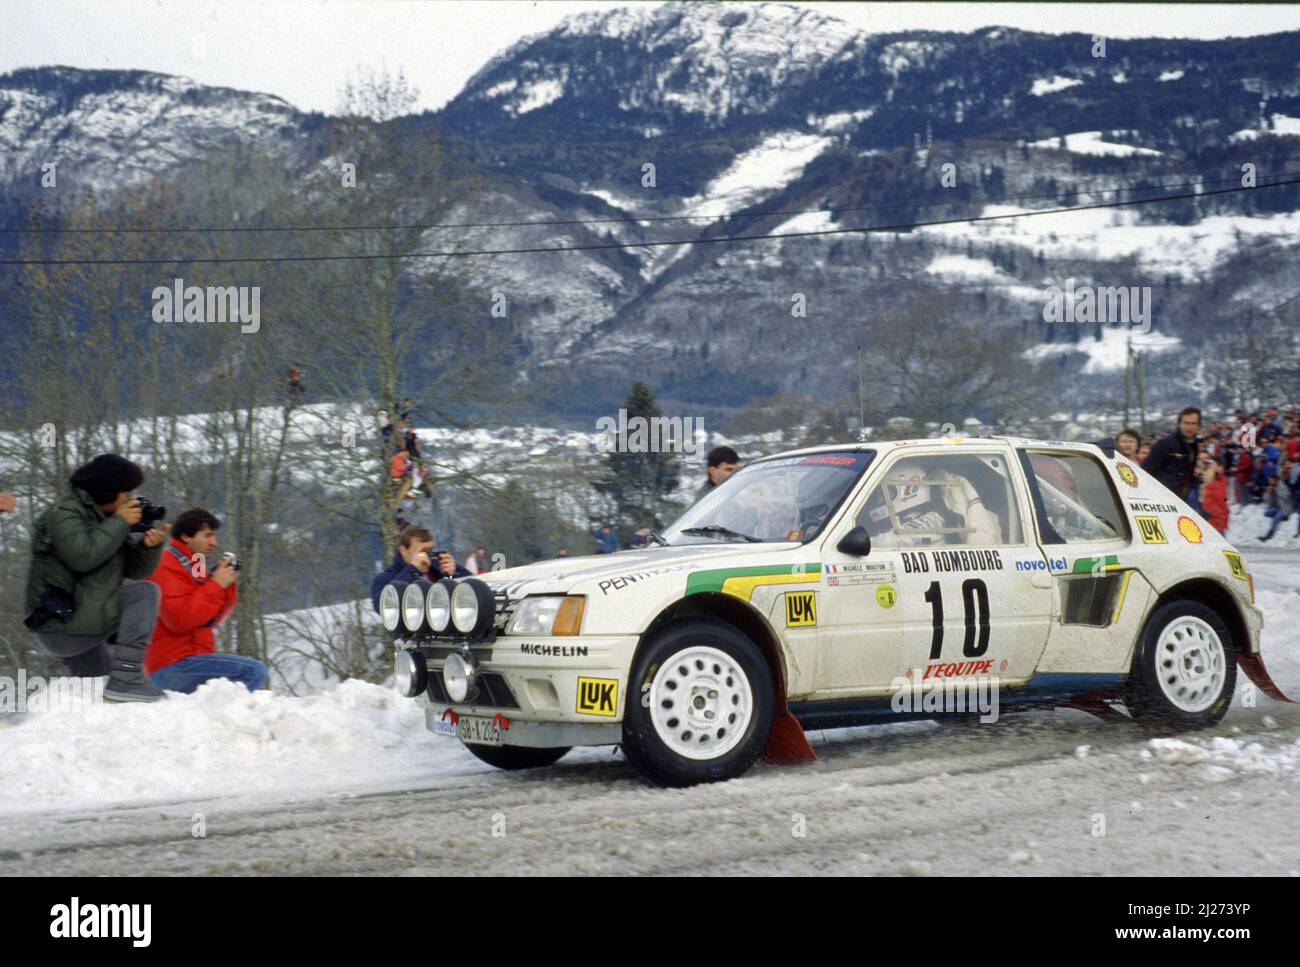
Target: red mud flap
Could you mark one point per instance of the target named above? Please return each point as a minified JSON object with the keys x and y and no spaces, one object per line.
{"x":1253,"y":666}
{"x":786,"y":743}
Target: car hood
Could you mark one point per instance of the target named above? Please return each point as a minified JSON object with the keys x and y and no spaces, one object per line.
{"x":565,"y":575}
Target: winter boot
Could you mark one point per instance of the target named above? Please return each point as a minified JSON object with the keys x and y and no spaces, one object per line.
{"x":127,"y":681}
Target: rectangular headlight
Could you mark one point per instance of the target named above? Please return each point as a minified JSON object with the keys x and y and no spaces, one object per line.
{"x":548,"y":615}
{"x":535,"y":616}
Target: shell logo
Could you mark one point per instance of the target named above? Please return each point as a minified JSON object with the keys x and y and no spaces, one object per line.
{"x":1127,"y":475}
{"x":1189,"y":530}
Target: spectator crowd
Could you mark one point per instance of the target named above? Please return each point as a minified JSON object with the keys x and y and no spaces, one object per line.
{"x":1235,"y":461}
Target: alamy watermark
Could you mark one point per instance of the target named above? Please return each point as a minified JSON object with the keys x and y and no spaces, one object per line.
{"x":1111,"y":304}
{"x":947,"y":694}
{"x":655,"y":434}
{"x":38,"y":694}
{"x":215,"y":303}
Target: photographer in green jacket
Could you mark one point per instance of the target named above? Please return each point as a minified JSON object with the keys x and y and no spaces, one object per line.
{"x":82,"y":547}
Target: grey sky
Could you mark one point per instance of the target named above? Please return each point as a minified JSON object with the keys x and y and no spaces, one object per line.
{"x":303,"y":50}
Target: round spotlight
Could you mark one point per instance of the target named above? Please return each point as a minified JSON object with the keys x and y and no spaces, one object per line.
{"x":390,"y":605}
{"x":473,"y":607}
{"x":413,"y":605}
{"x":458,"y":676}
{"x":437,"y":605}
{"x":410,"y":673}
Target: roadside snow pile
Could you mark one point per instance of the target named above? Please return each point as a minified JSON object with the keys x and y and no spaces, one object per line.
{"x":221,"y":741}
{"x":1247,"y":524}
{"x":1221,"y":759}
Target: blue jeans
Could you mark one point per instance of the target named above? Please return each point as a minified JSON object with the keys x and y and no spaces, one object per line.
{"x":189,"y":673}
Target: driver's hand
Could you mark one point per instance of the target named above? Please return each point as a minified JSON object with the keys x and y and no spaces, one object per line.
{"x":130,"y":511}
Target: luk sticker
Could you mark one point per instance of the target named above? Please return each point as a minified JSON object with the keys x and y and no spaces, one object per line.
{"x":886,"y":596}
{"x":598,"y":696}
{"x":1127,"y":475}
{"x":1151,"y":531}
{"x":801,"y":609}
{"x":1189,"y":530}
{"x":1234,"y":564}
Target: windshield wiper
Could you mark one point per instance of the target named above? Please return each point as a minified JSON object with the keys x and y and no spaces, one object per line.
{"x":721,"y":532}
{"x":657,"y":539}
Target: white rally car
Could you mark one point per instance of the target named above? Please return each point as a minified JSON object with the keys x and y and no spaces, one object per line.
{"x":817,"y":588}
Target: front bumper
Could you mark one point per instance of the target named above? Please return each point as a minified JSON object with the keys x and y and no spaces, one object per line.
{"x":555,"y":691}
{"x":543,"y":735}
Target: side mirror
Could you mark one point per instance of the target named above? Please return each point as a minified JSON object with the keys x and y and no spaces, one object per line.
{"x":856,"y":542}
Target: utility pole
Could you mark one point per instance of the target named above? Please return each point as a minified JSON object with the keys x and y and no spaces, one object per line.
{"x":1141,"y":400}
{"x":1128,"y":370}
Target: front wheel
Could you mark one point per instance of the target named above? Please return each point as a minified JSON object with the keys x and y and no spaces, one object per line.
{"x":1184,"y":667}
{"x":700,"y":706}
{"x":515,"y":756}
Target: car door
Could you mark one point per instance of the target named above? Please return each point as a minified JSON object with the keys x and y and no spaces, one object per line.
{"x":1085,"y":534}
{"x":952,"y":587}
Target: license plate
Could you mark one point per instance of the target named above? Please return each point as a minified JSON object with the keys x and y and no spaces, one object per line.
{"x":478,"y":731}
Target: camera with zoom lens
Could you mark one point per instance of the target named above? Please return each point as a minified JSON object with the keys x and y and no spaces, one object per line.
{"x":150,"y":515}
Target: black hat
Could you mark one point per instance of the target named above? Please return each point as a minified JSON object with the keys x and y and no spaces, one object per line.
{"x":107,"y":476}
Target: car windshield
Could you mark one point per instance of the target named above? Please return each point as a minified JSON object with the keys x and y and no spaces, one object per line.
{"x":782,"y":499}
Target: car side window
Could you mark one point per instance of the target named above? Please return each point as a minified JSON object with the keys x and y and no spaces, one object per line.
{"x":1074,"y":498}
{"x":943,"y":499}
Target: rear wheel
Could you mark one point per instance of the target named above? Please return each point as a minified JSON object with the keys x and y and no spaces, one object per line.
{"x":700,"y":706}
{"x":1184,"y":668}
{"x":515,"y":756}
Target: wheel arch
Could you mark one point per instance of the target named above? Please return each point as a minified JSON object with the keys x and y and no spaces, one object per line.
{"x":735,"y":612}
{"x":1214,"y":595}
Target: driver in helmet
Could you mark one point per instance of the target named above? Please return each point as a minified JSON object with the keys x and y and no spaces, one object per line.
{"x":916,"y":508}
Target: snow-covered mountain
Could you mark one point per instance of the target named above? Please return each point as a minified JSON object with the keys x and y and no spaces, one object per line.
{"x":740,"y":110}
{"x":108,"y":130}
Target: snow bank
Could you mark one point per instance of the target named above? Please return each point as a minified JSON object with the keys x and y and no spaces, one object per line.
{"x":1247,"y":524}
{"x":1221,"y":759}
{"x":220,"y":742}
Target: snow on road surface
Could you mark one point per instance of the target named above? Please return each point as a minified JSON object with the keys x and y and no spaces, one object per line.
{"x":349,"y":782}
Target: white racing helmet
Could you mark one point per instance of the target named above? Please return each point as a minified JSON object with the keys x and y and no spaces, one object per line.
{"x":905,"y":487}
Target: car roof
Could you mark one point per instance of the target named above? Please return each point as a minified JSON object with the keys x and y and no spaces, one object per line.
{"x":884,"y":446}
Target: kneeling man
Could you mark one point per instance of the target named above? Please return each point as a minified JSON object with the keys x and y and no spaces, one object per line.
{"x":182,"y":653}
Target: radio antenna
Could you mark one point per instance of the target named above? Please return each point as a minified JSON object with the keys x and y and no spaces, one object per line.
{"x":862,"y":400}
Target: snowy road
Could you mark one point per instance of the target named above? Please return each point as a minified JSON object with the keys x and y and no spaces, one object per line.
{"x":1037,"y":792}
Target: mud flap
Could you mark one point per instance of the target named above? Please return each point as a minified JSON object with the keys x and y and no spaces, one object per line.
{"x":786,"y":743}
{"x":1253,"y":666}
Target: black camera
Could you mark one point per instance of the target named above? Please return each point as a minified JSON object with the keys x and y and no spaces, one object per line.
{"x":233,"y":558}
{"x":54,"y":603}
{"x":150,"y":514}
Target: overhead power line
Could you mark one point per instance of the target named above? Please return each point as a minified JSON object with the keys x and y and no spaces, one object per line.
{"x":1087,"y":189}
{"x":605,"y":246}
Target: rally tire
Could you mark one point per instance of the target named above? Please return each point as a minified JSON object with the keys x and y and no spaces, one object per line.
{"x":700,"y":704}
{"x":514,"y":757}
{"x":1184,"y":668}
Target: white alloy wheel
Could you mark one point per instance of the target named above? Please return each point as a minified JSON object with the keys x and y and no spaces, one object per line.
{"x":1190,"y":664}
{"x":701,"y":702}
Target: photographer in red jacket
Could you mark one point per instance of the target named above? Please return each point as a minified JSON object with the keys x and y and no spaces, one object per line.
{"x":182,"y":654}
